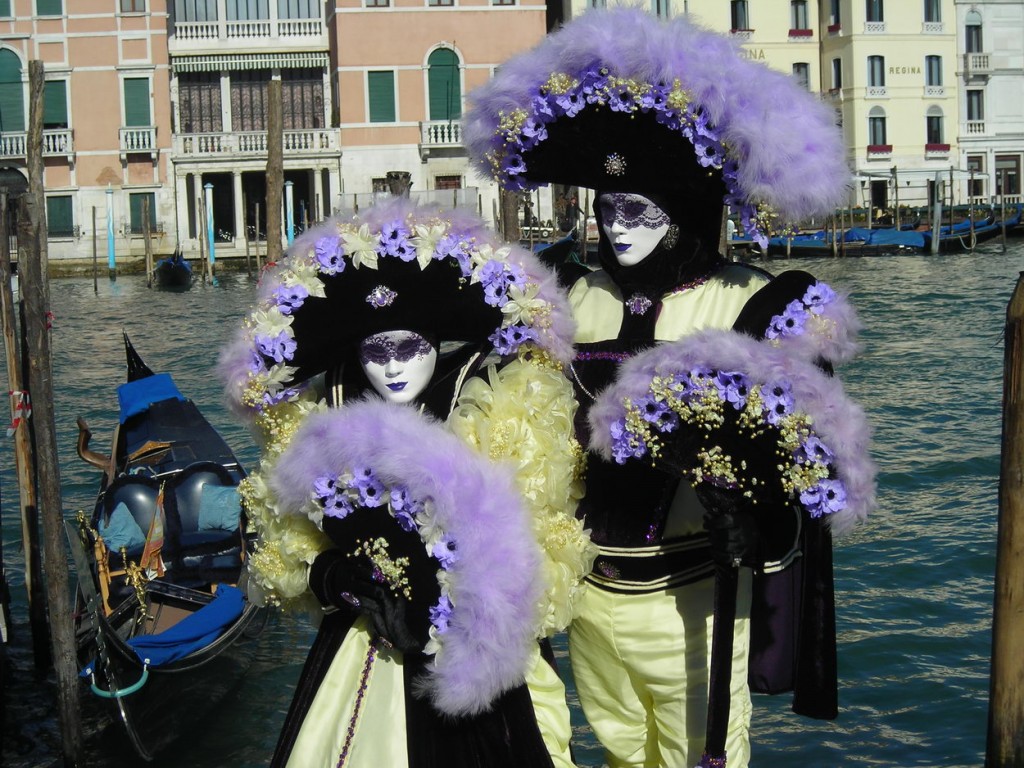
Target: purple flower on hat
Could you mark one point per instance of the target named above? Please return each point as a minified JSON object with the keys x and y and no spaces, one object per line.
{"x":542,"y":106}
{"x":404,"y":508}
{"x":817,"y":296}
{"x":513,"y":164}
{"x":446,"y":552}
{"x":813,"y":451}
{"x":691,"y":382}
{"x":257,"y":362}
{"x":441,"y":614}
{"x":371,"y":490}
{"x":278,"y":348}
{"x":339,"y":506}
{"x":655,"y":98}
{"x":625,"y":446}
{"x":778,"y":400}
{"x":534,"y":132}
{"x":733,"y":387}
{"x":571,"y":103}
{"x":496,"y":277}
{"x":789,"y":323}
{"x":710,"y":152}
{"x":394,"y":241}
{"x":329,"y":254}
{"x":325,"y":486}
{"x":507,"y":341}
{"x":622,"y":101}
{"x":826,"y":497}
{"x":289,"y":297}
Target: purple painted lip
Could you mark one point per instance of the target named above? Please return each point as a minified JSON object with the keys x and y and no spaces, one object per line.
{"x":397,"y":386}
{"x":620,"y":247}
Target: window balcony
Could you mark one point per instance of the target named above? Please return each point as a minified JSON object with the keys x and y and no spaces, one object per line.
{"x":874,"y":27}
{"x":834,"y":29}
{"x":56,"y":143}
{"x":197,"y":37}
{"x":934,"y":91}
{"x":801,"y":34}
{"x":975,"y":127}
{"x":977,"y":65}
{"x":932,"y":28}
{"x":439,"y":134}
{"x":876,"y":92}
{"x":936,"y":151}
{"x":743,"y":35}
{"x":835,"y":94}
{"x":253,"y":144}
{"x":138,"y":140}
{"x":879,"y":151}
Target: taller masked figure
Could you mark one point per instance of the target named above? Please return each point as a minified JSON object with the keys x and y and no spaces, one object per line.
{"x":434,"y":568}
{"x":668,"y":124}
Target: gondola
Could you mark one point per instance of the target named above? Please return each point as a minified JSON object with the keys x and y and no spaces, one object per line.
{"x":163,"y":628}
{"x":173,"y":272}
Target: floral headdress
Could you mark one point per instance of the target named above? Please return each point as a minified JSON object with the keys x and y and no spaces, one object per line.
{"x":393,"y":266}
{"x":380,"y":460}
{"x":668,"y":100}
{"x":732,"y":411}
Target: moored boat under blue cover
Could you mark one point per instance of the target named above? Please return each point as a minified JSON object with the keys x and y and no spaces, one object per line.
{"x":136,"y":396}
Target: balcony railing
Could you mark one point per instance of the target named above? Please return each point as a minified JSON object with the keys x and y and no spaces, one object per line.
{"x":977,"y":64}
{"x":932,"y":151}
{"x":934,"y":91}
{"x":439,"y":134}
{"x":265,"y":29}
{"x":874,"y":27}
{"x":876,"y":92}
{"x":742,"y":35}
{"x":138,"y":139}
{"x":879,"y":151}
{"x":56,"y":142}
{"x":801,"y":33}
{"x":308,"y":141}
{"x":975,"y":127}
{"x":932,"y":28}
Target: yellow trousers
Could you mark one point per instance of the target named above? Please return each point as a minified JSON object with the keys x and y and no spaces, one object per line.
{"x":640,"y":662}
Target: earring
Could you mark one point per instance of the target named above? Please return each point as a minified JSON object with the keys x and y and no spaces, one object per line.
{"x":668,"y":242}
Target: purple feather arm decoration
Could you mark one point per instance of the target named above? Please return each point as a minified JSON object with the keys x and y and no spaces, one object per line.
{"x":836,"y":419}
{"x":490,"y":637}
{"x":788,"y":150}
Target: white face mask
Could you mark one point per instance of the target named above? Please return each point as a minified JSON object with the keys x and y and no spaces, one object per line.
{"x":633,"y":225}
{"x":398,"y":364}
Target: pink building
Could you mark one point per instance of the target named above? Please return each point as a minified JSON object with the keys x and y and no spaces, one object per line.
{"x":165,"y":100}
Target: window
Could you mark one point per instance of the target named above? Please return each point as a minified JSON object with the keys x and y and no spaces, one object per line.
{"x":740,"y":19}
{"x":837,"y":74}
{"x":834,"y":17}
{"x":133,"y":6}
{"x":249,"y":99}
{"x":195,"y":10}
{"x":55,"y":104}
{"x":377,"y":3}
{"x":60,"y":221}
{"x":436,"y":3}
{"x":975,"y":105}
{"x":876,"y":71}
{"x":444,"y":85}
{"x":298,"y":9}
{"x":933,"y":70}
{"x":661,"y":8}
{"x":302,"y":91}
{"x":247,"y":10}
{"x":448,"y":182}
{"x":380,"y":185}
{"x":933,"y":10}
{"x":876,"y":127}
{"x":49,"y":7}
{"x":12,"y":93}
{"x":136,"y":102}
{"x":380,"y":87}
{"x":1007,"y":174}
{"x":5,"y":8}
{"x":933,"y":126}
{"x":802,"y":74}
{"x":136,"y":201}
{"x":199,"y":102}
{"x":875,"y":10}
{"x":798,"y":14}
{"x":976,"y":165}
{"x":972,"y":32}
{"x":503,"y":2}
{"x":598,"y":3}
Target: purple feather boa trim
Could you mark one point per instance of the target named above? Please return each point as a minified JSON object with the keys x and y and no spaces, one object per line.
{"x":489,"y":641}
{"x":789,"y":152}
{"x":839,"y":421}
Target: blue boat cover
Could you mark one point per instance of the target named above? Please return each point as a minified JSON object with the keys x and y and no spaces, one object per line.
{"x":193,"y":632}
{"x":136,"y":396}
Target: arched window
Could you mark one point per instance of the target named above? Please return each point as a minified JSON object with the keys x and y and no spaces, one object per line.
{"x":876,"y":127}
{"x":12,"y":92}
{"x":444,"y":85}
{"x":972,"y":32}
{"x":876,"y":71}
{"x":933,"y":126}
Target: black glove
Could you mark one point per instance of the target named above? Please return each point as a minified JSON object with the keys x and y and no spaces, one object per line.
{"x":729,"y":519}
{"x":337,"y":582}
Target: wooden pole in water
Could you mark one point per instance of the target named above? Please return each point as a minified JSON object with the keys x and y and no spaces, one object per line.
{"x":147,"y":244}
{"x":34,"y":160}
{"x":40,"y":384}
{"x":275,"y":169}
{"x":1002,"y":218}
{"x":257,"y":238}
{"x":95,"y":257}
{"x":23,"y":464}
{"x":1005,"y":746}
{"x":245,"y":234}
{"x":896,"y":198}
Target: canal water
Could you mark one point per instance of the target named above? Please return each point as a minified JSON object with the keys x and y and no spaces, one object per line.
{"x":913,"y":586}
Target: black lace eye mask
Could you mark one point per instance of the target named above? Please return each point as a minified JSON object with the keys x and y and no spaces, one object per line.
{"x":632,"y":211}
{"x":380,"y":349}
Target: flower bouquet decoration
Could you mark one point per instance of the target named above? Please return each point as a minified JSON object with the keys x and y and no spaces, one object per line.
{"x":434,"y":523}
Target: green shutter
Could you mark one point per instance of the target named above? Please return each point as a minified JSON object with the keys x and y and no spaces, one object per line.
{"x":12,"y":93}
{"x":135,"y":203}
{"x":49,"y":7}
{"x":136,"y":101}
{"x":59,"y":219}
{"x":55,"y":104}
{"x":381,"y":87}
{"x":5,"y":8}
{"x":443,"y":84}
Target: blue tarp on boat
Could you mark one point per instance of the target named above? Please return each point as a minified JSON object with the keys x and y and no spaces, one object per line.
{"x":136,"y":396}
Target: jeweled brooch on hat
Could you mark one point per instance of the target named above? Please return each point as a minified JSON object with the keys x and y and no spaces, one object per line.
{"x":381,"y":296}
{"x":615,"y":164}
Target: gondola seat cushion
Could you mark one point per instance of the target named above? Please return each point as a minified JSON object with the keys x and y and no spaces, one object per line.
{"x":219,"y":508}
{"x":121,"y":530}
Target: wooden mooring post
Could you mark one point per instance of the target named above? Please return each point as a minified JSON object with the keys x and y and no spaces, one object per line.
{"x":1005,"y":744}
{"x":275,"y":169}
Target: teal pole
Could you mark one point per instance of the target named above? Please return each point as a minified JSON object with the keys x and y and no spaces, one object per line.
{"x":289,"y":206}
{"x":111,"y":261}
{"x":209,"y":222}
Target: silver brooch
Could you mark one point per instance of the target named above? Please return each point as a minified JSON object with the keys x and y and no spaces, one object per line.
{"x":638,"y":304}
{"x":381,"y":296}
{"x":615,"y":164}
